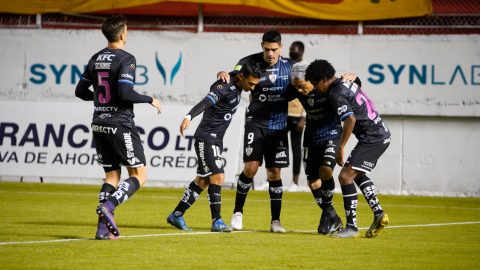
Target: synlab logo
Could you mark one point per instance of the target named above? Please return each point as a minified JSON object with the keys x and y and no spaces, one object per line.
{"x":175,"y":69}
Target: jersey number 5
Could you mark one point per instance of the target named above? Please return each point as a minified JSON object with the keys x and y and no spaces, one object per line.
{"x":107,"y":88}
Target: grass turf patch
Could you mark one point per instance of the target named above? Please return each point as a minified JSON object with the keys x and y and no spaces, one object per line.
{"x":54,"y":213}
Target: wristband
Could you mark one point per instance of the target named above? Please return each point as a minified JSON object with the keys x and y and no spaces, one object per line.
{"x":189,"y":117}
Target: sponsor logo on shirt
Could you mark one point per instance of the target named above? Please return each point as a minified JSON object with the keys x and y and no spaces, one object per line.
{"x":347,"y":84}
{"x":232,"y":101}
{"x":105,"y":57}
{"x":103,"y":129}
{"x":232,"y":88}
{"x":132,"y":67}
{"x":272,"y":88}
{"x":342,"y":109}
{"x":262,"y":98}
{"x":219,"y":87}
{"x":127,"y":76}
{"x":262,"y":79}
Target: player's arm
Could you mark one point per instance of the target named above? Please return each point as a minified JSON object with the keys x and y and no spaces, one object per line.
{"x":301,"y":122}
{"x":348,"y":125}
{"x":196,"y":110}
{"x":82,"y":91}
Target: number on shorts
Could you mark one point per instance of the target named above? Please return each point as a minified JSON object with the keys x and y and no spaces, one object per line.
{"x":107,"y":88}
{"x":250,"y":137}
{"x":216,"y":151}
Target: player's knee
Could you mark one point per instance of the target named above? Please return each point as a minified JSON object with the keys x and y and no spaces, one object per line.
{"x":250,"y":170}
{"x":325,"y":173}
{"x":273,"y":174}
{"x":314,"y":184}
{"x":344,"y":179}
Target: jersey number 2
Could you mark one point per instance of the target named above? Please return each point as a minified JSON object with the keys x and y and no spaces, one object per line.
{"x":361,"y":97}
{"x":107,"y":97}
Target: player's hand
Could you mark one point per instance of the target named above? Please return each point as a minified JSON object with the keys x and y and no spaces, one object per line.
{"x":224,"y":76}
{"x":339,"y":156}
{"x":155,"y":103}
{"x":185,"y":124}
{"x":250,"y":98}
{"x":349,"y":77}
{"x":301,"y":124}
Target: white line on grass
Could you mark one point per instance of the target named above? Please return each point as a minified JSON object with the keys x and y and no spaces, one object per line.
{"x":224,"y":199}
{"x":200,"y":233}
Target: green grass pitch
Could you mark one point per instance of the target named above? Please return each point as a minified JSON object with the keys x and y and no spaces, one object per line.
{"x":47,"y":226}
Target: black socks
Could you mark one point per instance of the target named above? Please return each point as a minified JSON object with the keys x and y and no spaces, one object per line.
{"x":368,"y":189}
{"x":243,"y":186}
{"x":275,"y":191}
{"x":124,"y":191}
{"x":215,"y":201}
{"x":350,"y":199}
{"x":192,"y":192}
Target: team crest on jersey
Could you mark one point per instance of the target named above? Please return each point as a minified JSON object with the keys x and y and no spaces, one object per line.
{"x":219,"y":87}
{"x":310,"y":102}
{"x":219,"y":163}
{"x":132,"y":67}
{"x":248,"y":150}
{"x":272,"y":77}
{"x":206,"y":169}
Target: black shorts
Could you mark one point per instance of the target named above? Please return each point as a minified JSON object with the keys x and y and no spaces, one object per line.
{"x":364,"y":156}
{"x":118,"y":145}
{"x":209,"y":158}
{"x":318,"y":154}
{"x":260,"y":143}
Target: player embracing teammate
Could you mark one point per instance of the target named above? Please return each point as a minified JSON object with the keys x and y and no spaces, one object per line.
{"x":361,"y":118}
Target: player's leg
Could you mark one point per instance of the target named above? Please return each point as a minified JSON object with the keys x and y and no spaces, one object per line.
{"x":253,"y":141}
{"x":296,"y":141}
{"x":327,"y":188}
{"x":195,"y":188}
{"x":215,"y":201}
{"x":190,"y":196}
{"x":369,"y":156}
{"x":128,"y":149}
{"x":106,"y":158}
{"x":350,"y":200}
{"x":276,"y":157}
{"x":108,"y":188}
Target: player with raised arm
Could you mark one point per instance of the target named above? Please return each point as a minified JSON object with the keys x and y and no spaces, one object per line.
{"x":362,"y":119}
{"x":265,"y":128}
{"x":111,"y":71}
{"x":320,"y":143}
{"x":219,"y":105}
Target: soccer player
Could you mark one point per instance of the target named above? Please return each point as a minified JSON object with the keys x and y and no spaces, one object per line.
{"x":265,"y":128}
{"x":112,"y":73}
{"x":219,"y":105}
{"x":362,"y":119}
{"x":320,"y":143}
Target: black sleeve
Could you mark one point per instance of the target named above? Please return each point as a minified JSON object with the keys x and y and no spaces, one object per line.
{"x":357,"y":81}
{"x":200,"y":107}
{"x":291,"y":92}
{"x":126,"y":92}
{"x":82,"y":91}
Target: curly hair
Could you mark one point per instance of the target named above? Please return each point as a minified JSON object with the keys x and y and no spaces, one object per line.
{"x":319,"y":70}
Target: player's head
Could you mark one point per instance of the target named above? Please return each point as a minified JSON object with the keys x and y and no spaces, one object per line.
{"x":297,"y":76}
{"x":115,"y":29}
{"x":249,"y":76}
{"x":271,"y":46}
{"x":296,"y":51}
{"x":319,"y":73}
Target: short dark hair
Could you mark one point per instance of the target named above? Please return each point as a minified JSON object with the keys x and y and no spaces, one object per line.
{"x":300,"y":45}
{"x":272,"y":36}
{"x":251,"y":69}
{"x":319,"y":70}
{"x":113,"y":26}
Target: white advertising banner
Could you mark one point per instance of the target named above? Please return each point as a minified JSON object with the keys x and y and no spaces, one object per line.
{"x":403,"y":75}
{"x":54,"y":139}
